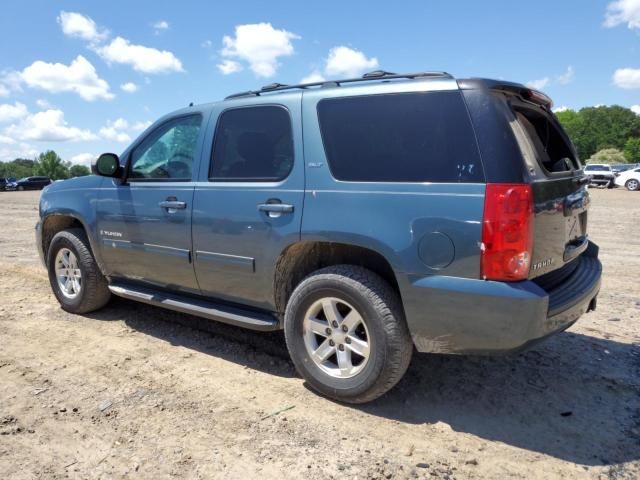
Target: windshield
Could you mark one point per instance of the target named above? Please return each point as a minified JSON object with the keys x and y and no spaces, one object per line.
{"x":598,"y":168}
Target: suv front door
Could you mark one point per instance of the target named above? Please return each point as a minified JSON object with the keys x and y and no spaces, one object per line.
{"x":144,"y":224}
{"x":248,"y":202}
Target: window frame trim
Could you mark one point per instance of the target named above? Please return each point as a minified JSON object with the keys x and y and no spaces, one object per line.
{"x":130,"y":179}
{"x":263,"y":180}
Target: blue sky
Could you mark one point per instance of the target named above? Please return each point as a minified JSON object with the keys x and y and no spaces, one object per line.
{"x":83,"y":77}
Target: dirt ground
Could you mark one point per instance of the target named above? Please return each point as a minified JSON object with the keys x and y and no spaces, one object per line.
{"x":138,"y":392}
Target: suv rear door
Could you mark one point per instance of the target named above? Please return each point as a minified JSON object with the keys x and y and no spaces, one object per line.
{"x":144,"y":224}
{"x":560,"y":197}
{"x":248,"y":202}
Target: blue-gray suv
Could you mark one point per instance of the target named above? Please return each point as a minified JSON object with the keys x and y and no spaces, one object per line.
{"x":366,"y":217}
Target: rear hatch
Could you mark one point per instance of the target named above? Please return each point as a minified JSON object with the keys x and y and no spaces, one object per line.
{"x":560,"y":197}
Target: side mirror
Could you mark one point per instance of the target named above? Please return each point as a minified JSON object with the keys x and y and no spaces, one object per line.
{"x":107,"y":165}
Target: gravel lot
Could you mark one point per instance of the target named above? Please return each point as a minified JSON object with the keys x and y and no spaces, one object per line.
{"x":138,"y":392}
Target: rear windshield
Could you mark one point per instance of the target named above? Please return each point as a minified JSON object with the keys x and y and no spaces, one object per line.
{"x":404,"y":137}
{"x":545,"y":138}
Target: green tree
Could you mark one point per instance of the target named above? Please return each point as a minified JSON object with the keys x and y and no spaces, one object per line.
{"x":17,"y":168}
{"x":596,"y":128}
{"x":632,"y":150}
{"x":79,"y":171}
{"x":49,"y":164}
{"x":607,"y":155}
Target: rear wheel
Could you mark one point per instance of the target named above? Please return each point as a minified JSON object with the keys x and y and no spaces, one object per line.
{"x":75,"y":278}
{"x":632,"y":185}
{"x":346,"y":333}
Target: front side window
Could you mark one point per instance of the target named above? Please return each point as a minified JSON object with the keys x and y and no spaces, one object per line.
{"x":403,"y":137}
{"x":252,"y":144}
{"x":168,"y":152}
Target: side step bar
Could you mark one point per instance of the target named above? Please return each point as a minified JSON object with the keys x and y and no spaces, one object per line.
{"x":240,"y":317}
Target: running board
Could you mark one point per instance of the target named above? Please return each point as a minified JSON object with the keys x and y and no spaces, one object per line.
{"x":202,"y":308}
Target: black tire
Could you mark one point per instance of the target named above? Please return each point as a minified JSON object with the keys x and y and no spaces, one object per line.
{"x":611,"y":184}
{"x":20,"y":188}
{"x":378,"y":304}
{"x":94,"y":292}
{"x":632,"y":185}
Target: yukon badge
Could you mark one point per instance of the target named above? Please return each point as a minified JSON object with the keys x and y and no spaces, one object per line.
{"x":542,"y":264}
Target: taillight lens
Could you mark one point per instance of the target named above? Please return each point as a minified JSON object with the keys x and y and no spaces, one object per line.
{"x":507,"y":232}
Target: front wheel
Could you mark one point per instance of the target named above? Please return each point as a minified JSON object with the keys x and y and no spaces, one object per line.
{"x":75,"y":278}
{"x":346,"y":333}
{"x":632,"y":185}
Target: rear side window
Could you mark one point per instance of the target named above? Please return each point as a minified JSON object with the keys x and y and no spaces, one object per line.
{"x":252,"y":144}
{"x":405,"y":137}
{"x":550,"y":146}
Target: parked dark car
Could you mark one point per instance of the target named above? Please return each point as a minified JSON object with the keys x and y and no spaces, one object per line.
{"x":365,"y":217}
{"x":3,"y":183}
{"x":31,"y":183}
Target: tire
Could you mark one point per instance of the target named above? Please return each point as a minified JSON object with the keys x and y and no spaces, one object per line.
{"x":632,"y":185}
{"x":20,"y":188}
{"x":93,"y":292}
{"x":383,"y":329}
{"x":611,"y":184}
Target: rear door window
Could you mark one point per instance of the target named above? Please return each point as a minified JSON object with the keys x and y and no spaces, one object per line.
{"x":404,"y":137}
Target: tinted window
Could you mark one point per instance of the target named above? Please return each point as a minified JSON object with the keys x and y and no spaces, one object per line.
{"x":406,"y":137}
{"x":252,"y":144}
{"x":598,"y":168}
{"x":168,"y":151}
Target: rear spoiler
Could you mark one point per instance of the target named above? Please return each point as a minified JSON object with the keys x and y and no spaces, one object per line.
{"x":526,"y":93}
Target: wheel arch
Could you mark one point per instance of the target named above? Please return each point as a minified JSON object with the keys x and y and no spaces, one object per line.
{"x":300,"y":259}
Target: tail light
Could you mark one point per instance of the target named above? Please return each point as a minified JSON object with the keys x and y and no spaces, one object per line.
{"x":507,"y":232}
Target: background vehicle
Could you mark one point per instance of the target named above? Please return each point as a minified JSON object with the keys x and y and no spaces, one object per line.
{"x":629,"y":179}
{"x":410,"y":238}
{"x":600,"y":174}
{"x":31,"y":183}
{"x":3,"y":183}
{"x":623,"y":167}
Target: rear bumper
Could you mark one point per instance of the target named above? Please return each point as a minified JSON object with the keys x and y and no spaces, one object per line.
{"x":457,"y":315}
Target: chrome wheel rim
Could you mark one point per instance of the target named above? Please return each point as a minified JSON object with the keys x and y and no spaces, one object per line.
{"x":336,"y":337}
{"x":68,"y":273}
{"x":633,"y":184}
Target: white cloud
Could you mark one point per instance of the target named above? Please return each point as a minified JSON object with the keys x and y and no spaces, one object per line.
{"x":4,"y":91}
{"x":623,"y":11}
{"x":139,"y":126}
{"x":141,"y":58}
{"x":313,"y":77}
{"x":83,"y":159}
{"x":229,"y":66}
{"x":129,"y":87}
{"x":345,"y":61}
{"x":627,"y":78}
{"x":11,"y":113}
{"x":115,"y":131}
{"x":260,"y":45}
{"x":635,"y":109}
{"x":17,"y":150}
{"x":81,"y":26}
{"x":47,"y":126}
{"x":560,"y":109}
{"x":43,"y":103}
{"x":7,"y":140}
{"x":79,"y":77}
{"x":538,"y":84}
{"x":567,"y":77}
{"x":161,"y":25}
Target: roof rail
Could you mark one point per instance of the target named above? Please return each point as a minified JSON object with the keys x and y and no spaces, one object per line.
{"x":375,"y":75}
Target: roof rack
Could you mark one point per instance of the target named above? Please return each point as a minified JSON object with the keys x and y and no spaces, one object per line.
{"x":375,"y":75}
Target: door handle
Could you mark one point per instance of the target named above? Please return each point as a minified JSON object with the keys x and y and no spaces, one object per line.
{"x":275,"y":209}
{"x":173,"y":205}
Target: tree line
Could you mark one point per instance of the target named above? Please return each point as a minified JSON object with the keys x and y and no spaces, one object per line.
{"x":47,"y":164}
{"x":603,"y":134}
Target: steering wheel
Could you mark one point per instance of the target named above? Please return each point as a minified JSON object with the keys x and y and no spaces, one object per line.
{"x":179,"y":168}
